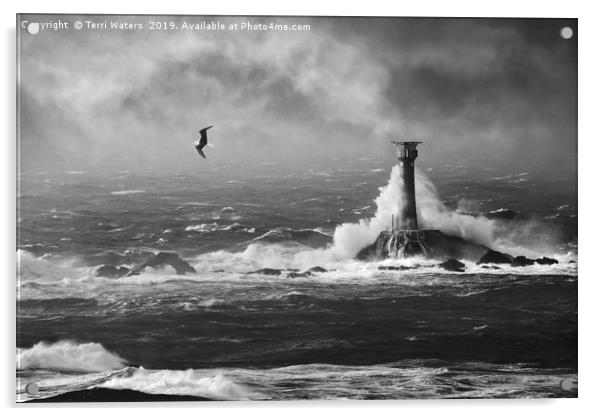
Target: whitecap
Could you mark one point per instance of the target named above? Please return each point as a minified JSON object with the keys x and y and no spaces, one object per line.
{"x":129,"y":192}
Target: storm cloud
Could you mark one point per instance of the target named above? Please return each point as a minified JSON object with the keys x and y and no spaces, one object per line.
{"x":501,"y":89}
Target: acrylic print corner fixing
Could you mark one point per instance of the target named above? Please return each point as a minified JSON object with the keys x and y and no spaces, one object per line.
{"x":284,"y":208}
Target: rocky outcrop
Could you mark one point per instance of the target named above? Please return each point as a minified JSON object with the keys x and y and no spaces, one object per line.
{"x":453,"y":265}
{"x":521,"y":261}
{"x":267,"y":271}
{"x":111,"y":271}
{"x":161,"y":260}
{"x":290,"y":273}
{"x":495,"y":257}
{"x":546,"y":260}
{"x":429,"y":243}
{"x":295,"y":275}
{"x":435,"y":244}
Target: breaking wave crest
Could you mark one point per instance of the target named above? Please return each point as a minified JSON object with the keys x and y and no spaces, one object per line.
{"x":208,"y":384}
{"x":312,"y":238}
{"x":350,"y":238}
{"x":69,"y":356}
{"x":129,"y":192}
{"x":68,"y":366}
{"x":39,"y":269}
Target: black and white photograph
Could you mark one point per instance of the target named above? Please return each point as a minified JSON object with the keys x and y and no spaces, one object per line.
{"x":294,"y":208}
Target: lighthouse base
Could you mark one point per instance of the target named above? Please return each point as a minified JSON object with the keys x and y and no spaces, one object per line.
{"x":427,"y":243}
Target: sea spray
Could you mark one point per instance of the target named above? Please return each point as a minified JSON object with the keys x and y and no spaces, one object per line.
{"x":432,"y":213}
{"x":519,"y":237}
{"x":350,"y":238}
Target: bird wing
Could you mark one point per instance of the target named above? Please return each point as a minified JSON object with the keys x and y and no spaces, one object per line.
{"x":203,"y":133}
{"x":200,"y":150}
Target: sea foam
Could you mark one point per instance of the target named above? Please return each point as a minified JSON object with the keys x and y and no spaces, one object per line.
{"x":208,"y":384}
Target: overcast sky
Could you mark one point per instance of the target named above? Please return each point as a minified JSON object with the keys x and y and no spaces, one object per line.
{"x":472,"y":89}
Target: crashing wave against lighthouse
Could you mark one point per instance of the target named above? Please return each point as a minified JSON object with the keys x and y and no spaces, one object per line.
{"x":405,"y":238}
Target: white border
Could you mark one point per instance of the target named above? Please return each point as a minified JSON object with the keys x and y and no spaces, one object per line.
{"x":589,"y":192}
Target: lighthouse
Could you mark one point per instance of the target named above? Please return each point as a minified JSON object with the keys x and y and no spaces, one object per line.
{"x":404,"y":238}
{"x":407,"y":154}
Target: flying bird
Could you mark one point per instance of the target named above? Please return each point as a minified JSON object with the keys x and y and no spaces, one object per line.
{"x":202,"y":141}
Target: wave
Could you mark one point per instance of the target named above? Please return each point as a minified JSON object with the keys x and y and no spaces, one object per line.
{"x":195,"y":304}
{"x":41,"y":270}
{"x":501,"y":213}
{"x":201,"y":383}
{"x":213,"y":227}
{"x":68,"y":356}
{"x":407,"y":379}
{"x":201,"y":204}
{"x":285,"y":247}
{"x":312,"y":238}
{"x":68,"y":366}
{"x":129,"y":192}
{"x":41,"y":278}
{"x":515,"y":178}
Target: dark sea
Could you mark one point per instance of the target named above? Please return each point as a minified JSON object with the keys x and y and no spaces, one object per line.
{"x":351,"y":330}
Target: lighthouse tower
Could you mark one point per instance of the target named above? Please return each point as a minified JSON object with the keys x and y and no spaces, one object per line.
{"x":406,"y":154}
{"x":405,"y":239}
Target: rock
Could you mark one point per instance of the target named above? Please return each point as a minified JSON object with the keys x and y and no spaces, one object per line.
{"x":520,"y":261}
{"x":218,"y":271}
{"x":111,"y":271}
{"x":163,"y":259}
{"x":317,"y":269}
{"x":496,"y":257}
{"x":394,"y":268}
{"x":428,"y":243}
{"x":267,"y":271}
{"x":572,"y":262}
{"x":546,"y":260}
{"x":453,"y":265}
{"x":490,"y":267}
{"x":294,"y":275}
